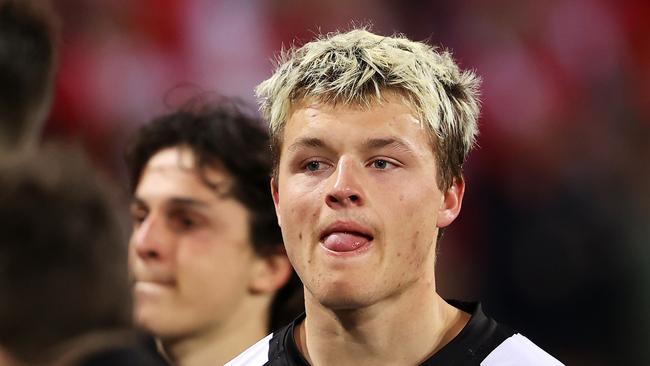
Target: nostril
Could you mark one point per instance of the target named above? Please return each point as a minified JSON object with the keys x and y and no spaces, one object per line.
{"x":151,"y":254}
{"x":147,"y":252}
{"x":332,"y":199}
{"x":343,"y":198}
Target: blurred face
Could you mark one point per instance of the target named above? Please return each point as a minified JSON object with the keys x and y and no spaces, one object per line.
{"x":358,"y":202}
{"x":190,"y":253}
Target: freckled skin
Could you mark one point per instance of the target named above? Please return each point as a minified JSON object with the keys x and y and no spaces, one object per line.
{"x":374,"y":170}
{"x":400,"y":204}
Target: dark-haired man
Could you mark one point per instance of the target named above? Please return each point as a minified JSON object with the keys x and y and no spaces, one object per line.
{"x":211,"y":276}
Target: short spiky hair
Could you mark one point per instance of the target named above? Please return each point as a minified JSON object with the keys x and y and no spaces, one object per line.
{"x":356,"y":67}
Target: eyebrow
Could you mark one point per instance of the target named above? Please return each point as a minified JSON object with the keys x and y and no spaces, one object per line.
{"x":391,"y":142}
{"x":175,"y":201}
{"x":367,"y":145}
{"x":308,"y":142}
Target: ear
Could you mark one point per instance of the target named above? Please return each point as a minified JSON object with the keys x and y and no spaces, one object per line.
{"x":452,"y":200}
{"x":276,"y":200}
{"x":270,"y":272}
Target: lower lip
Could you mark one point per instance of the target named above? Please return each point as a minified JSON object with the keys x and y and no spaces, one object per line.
{"x":150,"y":288}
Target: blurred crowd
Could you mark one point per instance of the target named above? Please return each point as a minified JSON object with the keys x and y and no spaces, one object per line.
{"x":554,"y":234}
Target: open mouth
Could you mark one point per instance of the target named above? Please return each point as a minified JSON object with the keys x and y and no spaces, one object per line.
{"x":345,"y":237}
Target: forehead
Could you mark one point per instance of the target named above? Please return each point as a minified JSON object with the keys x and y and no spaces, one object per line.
{"x":367,"y":102}
{"x":175,"y":171}
{"x":172,"y":158}
{"x":392,"y":117}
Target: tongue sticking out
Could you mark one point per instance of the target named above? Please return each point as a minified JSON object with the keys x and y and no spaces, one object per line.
{"x":344,"y":242}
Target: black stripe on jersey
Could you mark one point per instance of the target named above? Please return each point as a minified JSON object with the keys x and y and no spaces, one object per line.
{"x":480,"y":336}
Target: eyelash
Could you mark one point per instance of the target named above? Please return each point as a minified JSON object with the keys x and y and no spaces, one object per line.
{"x":390,"y":164}
{"x":186,"y":223}
{"x":138,"y":216}
{"x":311,"y":164}
{"x":184,"y":220}
{"x":305,"y":166}
{"x":178,"y":219}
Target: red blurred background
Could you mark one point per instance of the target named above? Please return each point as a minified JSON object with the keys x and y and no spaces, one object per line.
{"x":554,"y":236}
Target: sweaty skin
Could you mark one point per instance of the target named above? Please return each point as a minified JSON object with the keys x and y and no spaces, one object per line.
{"x":360,"y":209}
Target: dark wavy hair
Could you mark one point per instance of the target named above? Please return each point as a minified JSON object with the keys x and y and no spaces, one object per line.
{"x":220,"y":134}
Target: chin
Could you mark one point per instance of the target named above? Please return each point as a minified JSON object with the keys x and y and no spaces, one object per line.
{"x":342,"y":298}
{"x":145,"y":319}
{"x":164,"y":331}
{"x":151,"y":320}
{"x":343,"y":304}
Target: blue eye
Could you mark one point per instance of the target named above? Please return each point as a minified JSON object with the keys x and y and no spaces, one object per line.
{"x":313,"y":166}
{"x":380,"y":164}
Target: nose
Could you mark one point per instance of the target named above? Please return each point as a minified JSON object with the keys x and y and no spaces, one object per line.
{"x":347,"y":190}
{"x":148,"y":240}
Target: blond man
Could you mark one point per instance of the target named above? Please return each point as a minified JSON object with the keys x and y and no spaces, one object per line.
{"x":369,"y":135}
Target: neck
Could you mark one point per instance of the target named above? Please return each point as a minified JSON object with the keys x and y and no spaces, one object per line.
{"x":419,"y":320}
{"x":219,"y":344}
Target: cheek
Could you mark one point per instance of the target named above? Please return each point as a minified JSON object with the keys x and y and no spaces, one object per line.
{"x":422,"y":207}
{"x":412,"y":219}
{"x":300,"y":210}
{"x":299,"y":206}
{"x":210,"y":256}
{"x":211,"y":273}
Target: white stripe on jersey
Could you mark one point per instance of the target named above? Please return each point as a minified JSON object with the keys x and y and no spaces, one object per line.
{"x":519,"y":350}
{"x":257,"y":354}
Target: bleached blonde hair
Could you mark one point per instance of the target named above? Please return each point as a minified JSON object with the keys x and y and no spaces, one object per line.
{"x":356,"y":67}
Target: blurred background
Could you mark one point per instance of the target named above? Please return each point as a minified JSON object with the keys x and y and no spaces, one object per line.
{"x":554,"y":236}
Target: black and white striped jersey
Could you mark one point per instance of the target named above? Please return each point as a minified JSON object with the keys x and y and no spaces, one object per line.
{"x":481,"y":342}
